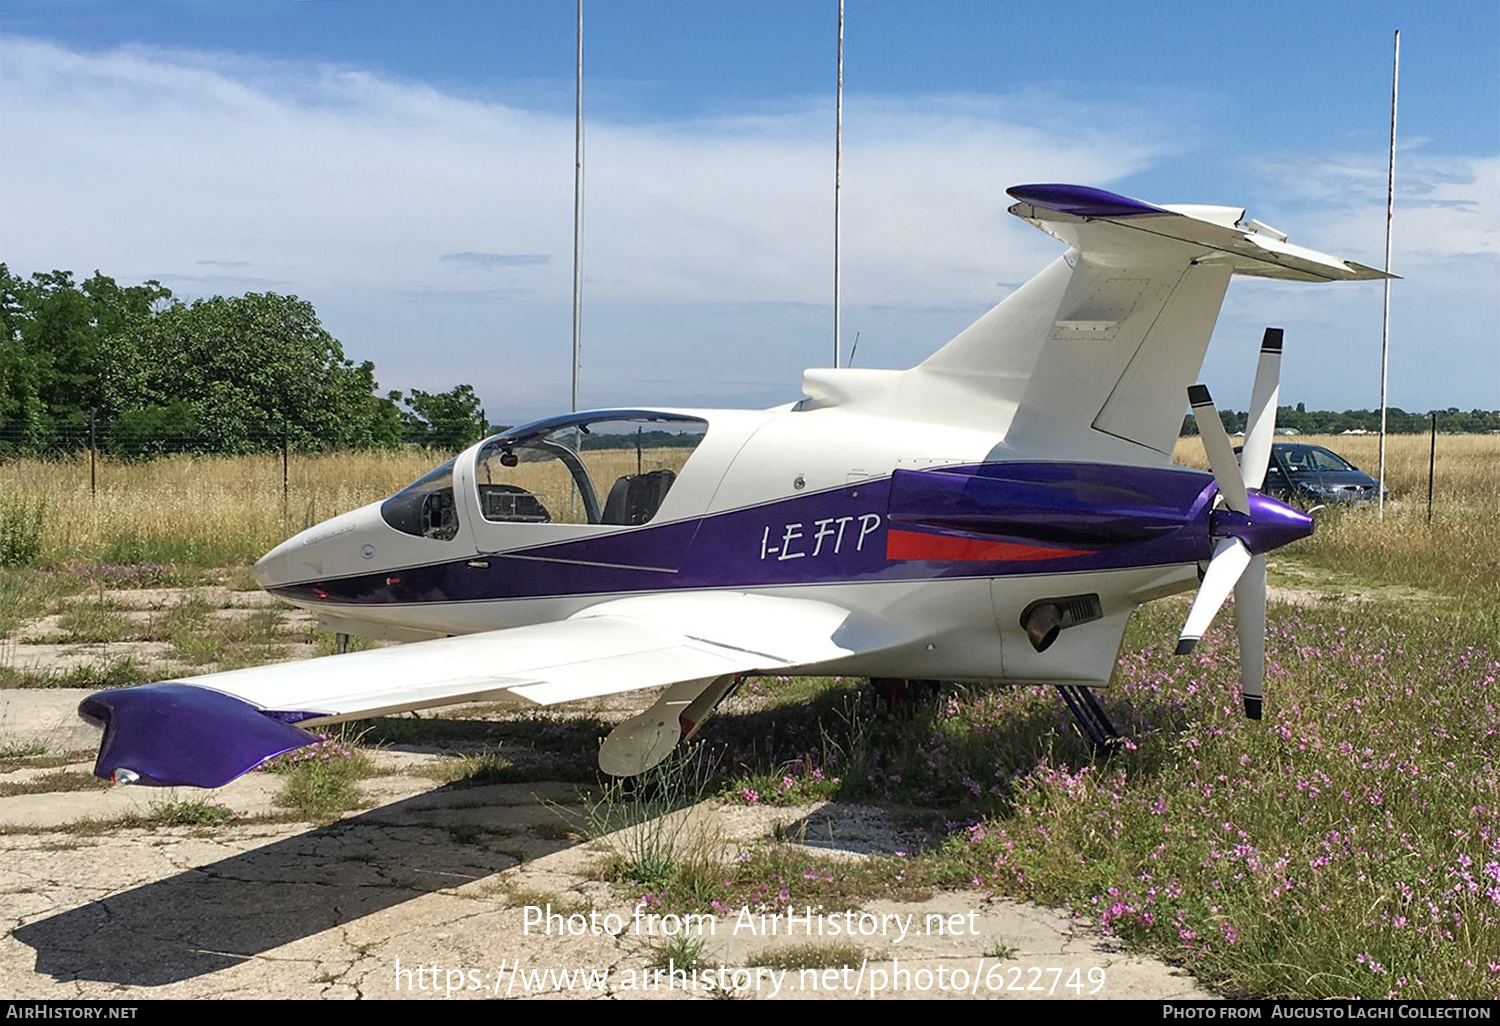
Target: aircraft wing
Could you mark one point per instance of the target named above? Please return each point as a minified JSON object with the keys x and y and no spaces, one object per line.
{"x":205,"y":731}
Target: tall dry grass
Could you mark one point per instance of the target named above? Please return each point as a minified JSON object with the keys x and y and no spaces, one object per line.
{"x":1467,"y":467}
{"x":224,"y":511}
{"x":204,"y":511}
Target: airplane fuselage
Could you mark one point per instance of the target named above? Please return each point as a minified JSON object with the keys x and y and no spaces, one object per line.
{"x":937,"y":528}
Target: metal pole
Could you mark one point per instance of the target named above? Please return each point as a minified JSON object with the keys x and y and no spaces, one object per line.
{"x":838,"y":171}
{"x":93,"y":448}
{"x":1385,"y":322}
{"x":578,"y":209}
{"x":285,"y":491}
{"x":1431,"y":465}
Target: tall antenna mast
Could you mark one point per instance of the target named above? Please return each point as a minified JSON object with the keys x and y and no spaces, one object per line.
{"x":1385,"y":322}
{"x":578,"y":210}
{"x":838,"y":169}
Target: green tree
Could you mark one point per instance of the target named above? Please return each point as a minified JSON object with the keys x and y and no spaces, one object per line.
{"x":252,"y":367}
{"x":227,"y":374}
{"x":23,"y":414}
{"x":154,"y":430}
{"x":449,"y":420}
{"x":58,"y":344}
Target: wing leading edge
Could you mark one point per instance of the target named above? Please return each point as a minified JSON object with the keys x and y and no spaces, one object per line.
{"x":205,"y":731}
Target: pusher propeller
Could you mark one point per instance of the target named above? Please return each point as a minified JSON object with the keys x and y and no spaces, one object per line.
{"x":1239,"y":563}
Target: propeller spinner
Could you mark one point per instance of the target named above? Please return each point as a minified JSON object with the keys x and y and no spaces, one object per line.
{"x":1245,"y":526}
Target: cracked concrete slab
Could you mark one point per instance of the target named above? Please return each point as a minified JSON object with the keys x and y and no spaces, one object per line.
{"x":61,"y":657}
{"x":47,"y":717}
{"x":390,"y":903}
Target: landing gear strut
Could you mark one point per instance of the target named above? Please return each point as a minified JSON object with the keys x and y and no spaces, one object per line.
{"x":897,"y":691}
{"x":1091,"y":717}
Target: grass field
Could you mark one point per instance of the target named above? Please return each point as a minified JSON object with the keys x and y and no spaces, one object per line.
{"x":1456,"y":557}
{"x":1346,"y":845}
{"x":196,"y":511}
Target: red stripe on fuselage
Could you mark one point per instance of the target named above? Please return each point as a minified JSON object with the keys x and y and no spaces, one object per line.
{"x":950,"y":548}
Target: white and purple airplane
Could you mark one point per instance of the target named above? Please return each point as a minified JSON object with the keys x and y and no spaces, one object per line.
{"x":993,"y":514}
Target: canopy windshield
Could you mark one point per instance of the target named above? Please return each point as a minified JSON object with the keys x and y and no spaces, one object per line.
{"x":606,"y":467}
{"x":425,"y":507}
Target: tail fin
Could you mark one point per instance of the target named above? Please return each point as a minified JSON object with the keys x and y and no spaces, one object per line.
{"x":1109,"y":336}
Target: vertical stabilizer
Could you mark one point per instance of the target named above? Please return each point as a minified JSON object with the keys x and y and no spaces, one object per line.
{"x":1108,"y":337}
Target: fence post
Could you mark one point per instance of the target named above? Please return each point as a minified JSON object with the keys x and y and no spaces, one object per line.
{"x":1431,"y":465}
{"x":285,"y":491}
{"x":93,"y":448}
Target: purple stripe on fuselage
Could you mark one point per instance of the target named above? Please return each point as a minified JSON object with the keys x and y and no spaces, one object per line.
{"x":1063,"y":502}
{"x":1132,"y":516}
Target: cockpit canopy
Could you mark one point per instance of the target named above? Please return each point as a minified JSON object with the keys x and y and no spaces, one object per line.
{"x":425,"y":507}
{"x":605,"y":467}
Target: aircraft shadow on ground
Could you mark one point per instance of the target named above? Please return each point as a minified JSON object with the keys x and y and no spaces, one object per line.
{"x":212,"y":917}
{"x":215,"y":916}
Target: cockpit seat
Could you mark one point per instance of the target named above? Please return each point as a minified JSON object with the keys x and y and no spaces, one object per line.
{"x":635,"y":498}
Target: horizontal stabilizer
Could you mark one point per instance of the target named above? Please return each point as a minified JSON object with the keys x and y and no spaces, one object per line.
{"x":1099,"y":222}
{"x":1091,"y":357}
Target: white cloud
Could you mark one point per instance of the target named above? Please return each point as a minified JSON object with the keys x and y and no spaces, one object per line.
{"x":162,"y":159}
{"x":1446,"y":248}
{"x":1446,"y":206}
{"x":434,"y":232}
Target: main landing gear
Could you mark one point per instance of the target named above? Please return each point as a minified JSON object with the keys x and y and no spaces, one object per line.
{"x":1091,"y":717}
{"x":1093,"y":721}
{"x":897,"y":691}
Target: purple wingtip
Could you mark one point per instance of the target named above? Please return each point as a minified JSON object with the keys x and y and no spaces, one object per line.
{"x":179,"y":734}
{"x":1082,"y":201}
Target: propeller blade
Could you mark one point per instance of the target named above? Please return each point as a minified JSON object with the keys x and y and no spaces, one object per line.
{"x":1220,"y":453}
{"x":1250,"y":625}
{"x":1229,"y":562}
{"x":1260,"y":428}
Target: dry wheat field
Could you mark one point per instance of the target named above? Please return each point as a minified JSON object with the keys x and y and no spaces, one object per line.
{"x":210,"y":511}
{"x":1457,"y":555}
{"x":226,"y":511}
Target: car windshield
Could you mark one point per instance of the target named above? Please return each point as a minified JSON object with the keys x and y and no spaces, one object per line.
{"x":1302,"y":459}
{"x":612,"y":467}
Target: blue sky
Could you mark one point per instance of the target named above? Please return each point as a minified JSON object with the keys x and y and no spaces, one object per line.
{"x":407,"y":168}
